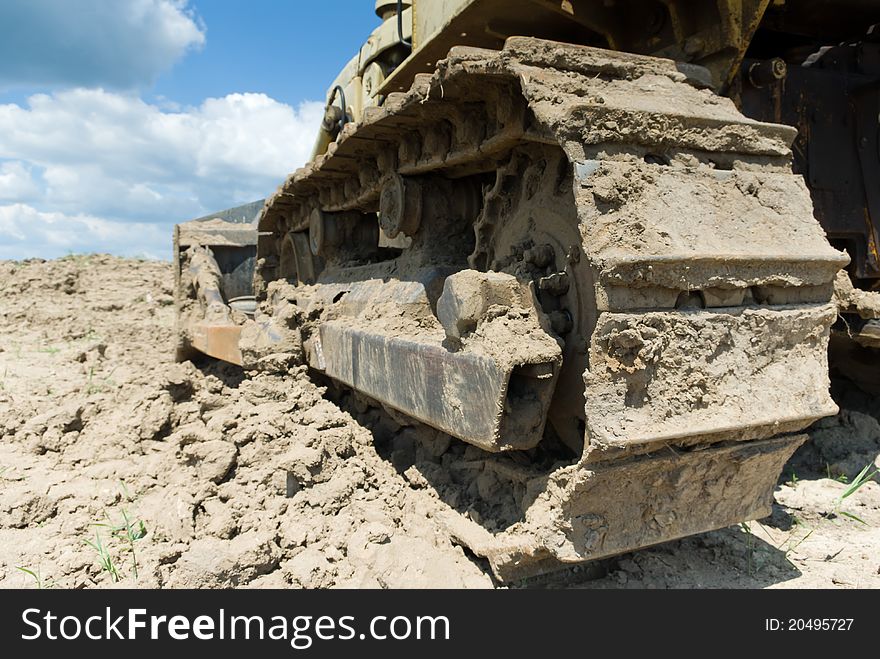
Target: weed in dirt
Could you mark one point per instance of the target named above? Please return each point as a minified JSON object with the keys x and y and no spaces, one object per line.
{"x":105,"y":384}
{"x":126,"y":493}
{"x":41,"y":583}
{"x":105,"y":559}
{"x":50,"y":350}
{"x":842,"y":478}
{"x":81,"y":260}
{"x":790,"y":544}
{"x":127,"y":531}
{"x":757,"y":556}
{"x":864,"y":476}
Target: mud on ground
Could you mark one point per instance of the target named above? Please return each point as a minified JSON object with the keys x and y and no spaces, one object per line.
{"x":118,"y":466}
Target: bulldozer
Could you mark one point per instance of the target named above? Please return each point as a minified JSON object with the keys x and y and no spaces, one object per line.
{"x":607,"y":243}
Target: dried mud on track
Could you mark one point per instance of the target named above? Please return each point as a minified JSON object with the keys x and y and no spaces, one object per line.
{"x":195,"y":475}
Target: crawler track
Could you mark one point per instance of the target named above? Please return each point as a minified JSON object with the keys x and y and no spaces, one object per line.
{"x":668,"y":252}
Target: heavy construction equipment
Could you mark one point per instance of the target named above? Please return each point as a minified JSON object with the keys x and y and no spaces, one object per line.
{"x":580,"y":229}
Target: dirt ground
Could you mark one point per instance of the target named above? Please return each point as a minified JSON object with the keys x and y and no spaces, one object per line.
{"x":119,"y":467}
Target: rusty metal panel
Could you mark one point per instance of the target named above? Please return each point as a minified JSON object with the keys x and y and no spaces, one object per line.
{"x":461,"y":394}
{"x":218,"y":341}
{"x":834,"y":103}
{"x":867,"y":110}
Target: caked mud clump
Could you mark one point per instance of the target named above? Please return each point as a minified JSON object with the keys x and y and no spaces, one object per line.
{"x":120,"y":467}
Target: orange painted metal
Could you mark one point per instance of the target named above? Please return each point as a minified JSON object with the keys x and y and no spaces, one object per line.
{"x":219,"y":341}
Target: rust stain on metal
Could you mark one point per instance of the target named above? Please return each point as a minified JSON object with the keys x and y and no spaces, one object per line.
{"x":219,"y":341}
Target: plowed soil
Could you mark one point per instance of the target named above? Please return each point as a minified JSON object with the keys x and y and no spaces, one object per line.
{"x":119,"y":467}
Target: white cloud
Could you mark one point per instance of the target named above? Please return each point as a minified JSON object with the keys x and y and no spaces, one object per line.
{"x":117,"y":44}
{"x":97,"y":161}
{"x":16,"y":182}
{"x":58,"y":234}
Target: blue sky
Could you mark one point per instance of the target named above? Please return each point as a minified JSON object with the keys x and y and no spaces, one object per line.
{"x":119,"y":118}
{"x":288,"y":49}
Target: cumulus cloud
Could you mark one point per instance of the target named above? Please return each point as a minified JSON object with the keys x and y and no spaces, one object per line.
{"x":16,"y":182}
{"x":121,"y":44}
{"x":58,"y":234}
{"x":105,"y":165}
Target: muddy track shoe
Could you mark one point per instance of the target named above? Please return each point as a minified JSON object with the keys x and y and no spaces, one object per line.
{"x":553,"y":241}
